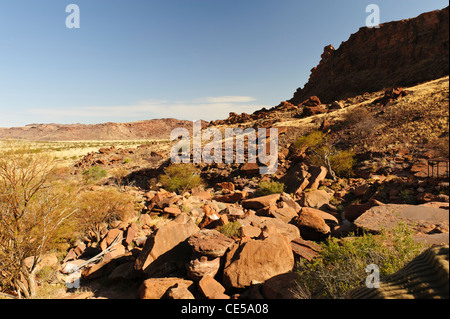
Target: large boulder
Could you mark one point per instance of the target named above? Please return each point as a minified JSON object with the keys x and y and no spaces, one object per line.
{"x":311,"y":225}
{"x":286,"y":214}
{"x":422,"y":219}
{"x":210,"y":242}
{"x":315,"y":199}
{"x":260,"y":202}
{"x":167,"y":249}
{"x":255,"y":261}
{"x":328,"y":218}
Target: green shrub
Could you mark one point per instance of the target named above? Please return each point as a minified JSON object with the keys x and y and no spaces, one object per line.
{"x":324,"y":153}
{"x":94,"y":174}
{"x":311,"y":140}
{"x":102,"y":206}
{"x":341,"y":264}
{"x":343,"y":162}
{"x":268,"y":188}
{"x":180,"y":178}
{"x":231,"y":229}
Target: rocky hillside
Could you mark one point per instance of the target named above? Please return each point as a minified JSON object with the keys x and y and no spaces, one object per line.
{"x":227,"y":238}
{"x":399,"y":53}
{"x":142,"y":130}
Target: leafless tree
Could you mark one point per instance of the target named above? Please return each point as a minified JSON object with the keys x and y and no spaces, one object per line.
{"x":31,"y":210}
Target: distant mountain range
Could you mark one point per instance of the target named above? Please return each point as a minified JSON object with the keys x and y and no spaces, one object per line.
{"x":141,"y":130}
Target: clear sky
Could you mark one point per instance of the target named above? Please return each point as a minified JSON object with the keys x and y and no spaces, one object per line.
{"x":134,"y":60}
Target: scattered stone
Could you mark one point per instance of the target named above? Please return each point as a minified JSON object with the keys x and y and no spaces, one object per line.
{"x":271,"y":226}
{"x":286,"y":198}
{"x":124,"y":271}
{"x":328,"y":218}
{"x":108,"y":240}
{"x":173,"y":211}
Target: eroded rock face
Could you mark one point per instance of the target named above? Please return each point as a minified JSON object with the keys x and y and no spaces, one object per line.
{"x":399,"y":53}
{"x":255,"y":261}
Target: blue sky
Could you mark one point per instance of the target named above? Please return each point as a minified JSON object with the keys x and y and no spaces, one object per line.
{"x":188,"y":59}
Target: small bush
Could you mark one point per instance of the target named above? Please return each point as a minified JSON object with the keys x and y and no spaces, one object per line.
{"x":312,"y":139}
{"x":268,"y":188}
{"x":231,"y":229}
{"x":94,"y":174}
{"x":180,"y":178}
{"x":343,"y":162}
{"x":103,"y":206}
{"x":341,"y":264}
{"x":354,"y":117}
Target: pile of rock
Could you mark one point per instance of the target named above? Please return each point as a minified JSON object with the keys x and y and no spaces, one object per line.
{"x":177,"y":249}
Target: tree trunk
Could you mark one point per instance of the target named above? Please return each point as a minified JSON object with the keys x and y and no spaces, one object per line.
{"x":330,"y":170}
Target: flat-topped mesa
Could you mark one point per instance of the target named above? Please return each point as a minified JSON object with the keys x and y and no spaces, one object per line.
{"x":399,"y":53}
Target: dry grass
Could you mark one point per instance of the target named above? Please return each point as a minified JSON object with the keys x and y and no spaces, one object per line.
{"x":67,"y":152}
{"x":420,"y":117}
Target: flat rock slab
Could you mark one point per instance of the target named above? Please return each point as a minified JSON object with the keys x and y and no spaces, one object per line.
{"x":305,"y":248}
{"x":433,"y":239}
{"x":422,"y":219}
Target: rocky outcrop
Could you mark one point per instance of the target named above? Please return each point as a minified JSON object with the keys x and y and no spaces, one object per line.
{"x":399,"y":53}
